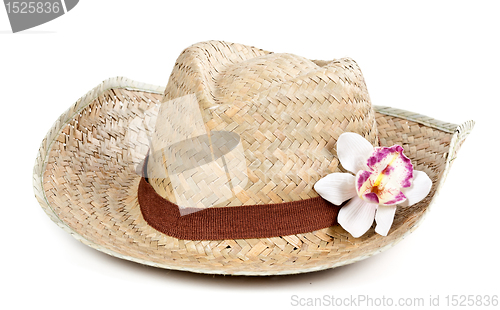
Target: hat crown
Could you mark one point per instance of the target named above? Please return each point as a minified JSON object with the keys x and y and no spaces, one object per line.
{"x":243,"y":126}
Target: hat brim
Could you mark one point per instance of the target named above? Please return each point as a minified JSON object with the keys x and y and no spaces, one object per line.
{"x":86,"y":180}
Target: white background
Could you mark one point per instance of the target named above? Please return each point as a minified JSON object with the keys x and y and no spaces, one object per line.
{"x":437,"y":58}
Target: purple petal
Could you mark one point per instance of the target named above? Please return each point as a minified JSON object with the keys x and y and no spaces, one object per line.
{"x":371,"y":197}
{"x":361,"y":178}
{"x":391,"y":197}
{"x":382,"y":193}
{"x":396,"y":168}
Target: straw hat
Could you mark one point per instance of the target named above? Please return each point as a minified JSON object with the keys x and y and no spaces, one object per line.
{"x":215,"y":173}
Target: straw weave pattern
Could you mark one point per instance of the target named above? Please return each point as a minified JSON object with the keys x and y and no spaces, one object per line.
{"x":288,"y":110}
{"x":85,"y":179}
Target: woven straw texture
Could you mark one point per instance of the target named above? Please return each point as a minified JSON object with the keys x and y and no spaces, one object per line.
{"x":288,"y":110}
{"x":86,"y":180}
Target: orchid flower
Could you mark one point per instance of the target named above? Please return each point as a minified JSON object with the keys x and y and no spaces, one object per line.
{"x":384,"y":178}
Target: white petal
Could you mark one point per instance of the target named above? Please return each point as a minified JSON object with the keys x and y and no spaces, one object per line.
{"x":336,"y":187}
{"x":353,"y":151}
{"x":420,"y":187}
{"x":384,"y":218}
{"x":357,"y":216}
